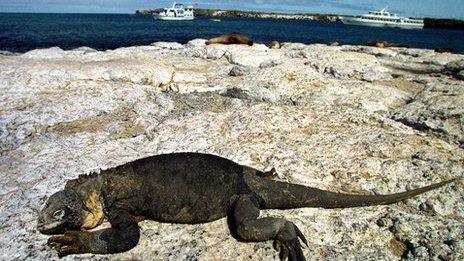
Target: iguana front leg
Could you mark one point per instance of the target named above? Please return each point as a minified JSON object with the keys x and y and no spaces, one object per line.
{"x":285,"y":234}
{"x":123,"y":235}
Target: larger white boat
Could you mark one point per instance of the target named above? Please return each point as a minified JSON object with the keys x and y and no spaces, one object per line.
{"x":383,"y":18}
{"x":176,"y":12}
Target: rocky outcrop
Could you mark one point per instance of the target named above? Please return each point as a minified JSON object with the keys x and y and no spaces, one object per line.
{"x":351,"y":119}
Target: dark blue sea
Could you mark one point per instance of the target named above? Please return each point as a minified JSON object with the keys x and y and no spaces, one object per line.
{"x":23,"y":32}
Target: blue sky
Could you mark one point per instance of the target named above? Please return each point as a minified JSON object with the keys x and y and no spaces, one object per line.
{"x":429,"y":8}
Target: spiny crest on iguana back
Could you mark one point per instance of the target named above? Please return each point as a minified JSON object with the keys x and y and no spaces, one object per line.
{"x":82,"y":178}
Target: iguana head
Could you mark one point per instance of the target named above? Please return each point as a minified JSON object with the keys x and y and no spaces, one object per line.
{"x":63,"y":211}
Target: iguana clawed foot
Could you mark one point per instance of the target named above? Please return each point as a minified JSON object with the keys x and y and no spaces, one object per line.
{"x":288,"y":244}
{"x":72,"y":242}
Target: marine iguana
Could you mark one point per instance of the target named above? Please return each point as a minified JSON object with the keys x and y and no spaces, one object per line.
{"x":185,"y":188}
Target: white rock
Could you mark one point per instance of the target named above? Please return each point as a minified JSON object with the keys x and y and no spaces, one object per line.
{"x":293,"y":46}
{"x":251,"y":56}
{"x":196,"y":43}
{"x":49,"y":53}
{"x":168,"y":45}
{"x":84,"y":50}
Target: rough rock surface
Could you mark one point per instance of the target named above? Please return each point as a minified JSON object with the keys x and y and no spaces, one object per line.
{"x":343,"y":118}
{"x":460,"y":75}
{"x":439,"y":107}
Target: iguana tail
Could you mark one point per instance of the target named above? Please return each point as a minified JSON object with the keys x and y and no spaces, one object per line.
{"x":281,"y":195}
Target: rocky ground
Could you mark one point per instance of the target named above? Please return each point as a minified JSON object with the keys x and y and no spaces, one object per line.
{"x":344,"y":118}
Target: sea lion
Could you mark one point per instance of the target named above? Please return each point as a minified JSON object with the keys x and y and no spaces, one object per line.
{"x":230,"y":38}
{"x":444,"y":50}
{"x":274,"y":45}
{"x":385,"y":44}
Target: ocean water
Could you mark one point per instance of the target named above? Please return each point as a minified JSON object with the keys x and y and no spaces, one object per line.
{"x":24,"y":32}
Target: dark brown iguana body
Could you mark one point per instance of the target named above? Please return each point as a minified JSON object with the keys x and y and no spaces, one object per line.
{"x":184,"y":188}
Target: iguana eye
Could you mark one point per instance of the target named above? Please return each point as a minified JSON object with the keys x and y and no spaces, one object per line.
{"x":59,"y":214}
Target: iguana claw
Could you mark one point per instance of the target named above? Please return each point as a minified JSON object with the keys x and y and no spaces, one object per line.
{"x":67,"y":244}
{"x":288,"y":243}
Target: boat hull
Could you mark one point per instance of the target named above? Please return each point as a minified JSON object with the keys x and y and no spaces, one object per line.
{"x":364,"y":22}
{"x":173,"y":18}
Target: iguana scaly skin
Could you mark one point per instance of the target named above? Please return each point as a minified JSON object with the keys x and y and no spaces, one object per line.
{"x":185,"y":188}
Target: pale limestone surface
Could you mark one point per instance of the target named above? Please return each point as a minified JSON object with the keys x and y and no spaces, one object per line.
{"x":342,"y":118}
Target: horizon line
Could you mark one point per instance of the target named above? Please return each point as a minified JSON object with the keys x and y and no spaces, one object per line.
{"x":242,"y":10}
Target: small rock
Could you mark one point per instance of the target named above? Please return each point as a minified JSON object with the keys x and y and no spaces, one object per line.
{"x":460,"y":75}
{"x":371,"y":76}
{"x":49,"y":53}
{"x":269,"y":64}
{"x":274,"y":45}
{"x":426,"y":206}
{"x":240,"y":70}
{"x":150,"y":233}
{"x":215,"y":52}
{"x":234,"y":103}
{"x":84,"y":50}
{"x":444,"y":50}
{"x":385,"y":222}
{"x":419,"y":253}
{"x":168,"y":45}
{"x":6,"y":53}
{"x":258,"y":92}
{"x":294,"y":46}
{"x":254,"y":56}
{"x":196,"y":43}
{"x":455,"y":66}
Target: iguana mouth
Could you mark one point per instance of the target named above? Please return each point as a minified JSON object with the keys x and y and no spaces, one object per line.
{"x":52,"y":228}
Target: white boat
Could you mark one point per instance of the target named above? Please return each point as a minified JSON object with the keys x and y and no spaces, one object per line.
{"x":383,"y":18}
{"x":176,"y":12}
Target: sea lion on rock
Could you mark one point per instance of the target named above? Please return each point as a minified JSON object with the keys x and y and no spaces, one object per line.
{"x":230,"y":38}
{"x":385,"y":44}
{"x":444,"y":50}
{"x":274,"y":45}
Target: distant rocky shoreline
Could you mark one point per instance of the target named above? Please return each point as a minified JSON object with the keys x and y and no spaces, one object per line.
{"x":428,"y":22}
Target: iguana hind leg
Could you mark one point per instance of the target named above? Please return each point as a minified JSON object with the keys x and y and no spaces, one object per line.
{"x":250,"y":227}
